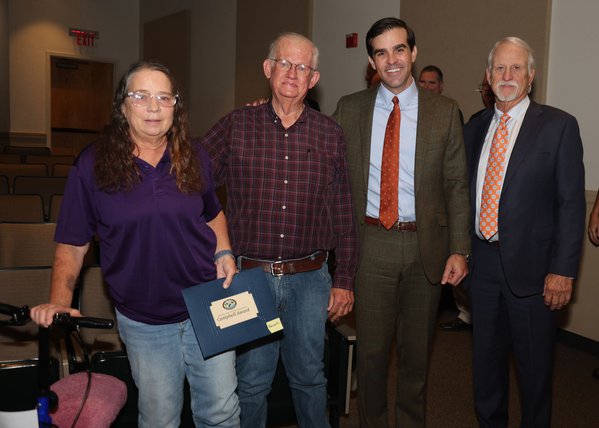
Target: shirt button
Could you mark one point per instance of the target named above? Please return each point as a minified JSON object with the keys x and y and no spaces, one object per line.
{"x":286,"y":157}
{"x":281,"y":235}
{"x":285,"y":181}
{"x":286,"y":134}
{"x":284,"y":207}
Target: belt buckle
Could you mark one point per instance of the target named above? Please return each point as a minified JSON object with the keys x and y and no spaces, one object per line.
{"x":276,"y":265}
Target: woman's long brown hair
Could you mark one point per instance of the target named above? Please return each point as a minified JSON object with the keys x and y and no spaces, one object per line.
{"x":115,"y":169}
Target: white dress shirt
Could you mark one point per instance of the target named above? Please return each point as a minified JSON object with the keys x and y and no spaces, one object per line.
{"x":514,"y":123}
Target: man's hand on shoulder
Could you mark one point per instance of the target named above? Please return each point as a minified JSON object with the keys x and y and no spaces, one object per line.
{"x":258,"y":102}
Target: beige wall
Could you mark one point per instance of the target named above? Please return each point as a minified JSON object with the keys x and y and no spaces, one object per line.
{"x":156,"y":47}
{"x":572,"y":87}
{"x":441,"y":39}
{"x":40,"y":27}
{"x":212,"y":61}
{"x":581,"y":316}
{"x":457,"y":36}
{"x":342,"y":70}
{"x":258,"y":24}
{"x":571,"y":83}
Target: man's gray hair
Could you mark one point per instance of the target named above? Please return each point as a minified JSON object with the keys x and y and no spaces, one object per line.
{"x":274,"y":46}
{"x":518,"y":42}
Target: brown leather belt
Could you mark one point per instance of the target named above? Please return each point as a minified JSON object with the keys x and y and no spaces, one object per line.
{"x":285,"y":267}
{"x":400,"y":226}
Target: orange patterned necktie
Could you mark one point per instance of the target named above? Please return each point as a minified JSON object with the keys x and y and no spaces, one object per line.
{"x":489,"y":207}
{"x":388,"y":213}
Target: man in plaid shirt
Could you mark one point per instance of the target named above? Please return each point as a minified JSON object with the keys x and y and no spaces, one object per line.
{"x":288,"y":205}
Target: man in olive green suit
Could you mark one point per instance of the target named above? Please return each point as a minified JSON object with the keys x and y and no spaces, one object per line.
{"x":397,"y":285}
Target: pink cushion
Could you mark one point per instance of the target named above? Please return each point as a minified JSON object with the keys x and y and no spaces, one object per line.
{"x":106,"y":398}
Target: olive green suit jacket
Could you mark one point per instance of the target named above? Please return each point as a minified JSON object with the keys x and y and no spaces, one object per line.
{"x":440,"y":173}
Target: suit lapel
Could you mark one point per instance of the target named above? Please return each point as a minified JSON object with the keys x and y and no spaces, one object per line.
{"x":424,"y":127}
{"x":476,"y":150}
{"x":366,"y":113}
{"x":524,"y":142}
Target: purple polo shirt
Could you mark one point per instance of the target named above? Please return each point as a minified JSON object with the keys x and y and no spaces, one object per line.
{"x":154,"y":240}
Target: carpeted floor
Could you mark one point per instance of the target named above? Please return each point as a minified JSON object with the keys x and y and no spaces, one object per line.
{"x":576,"y":392}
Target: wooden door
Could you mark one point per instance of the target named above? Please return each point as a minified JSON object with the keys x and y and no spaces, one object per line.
{"x":81,"y":102}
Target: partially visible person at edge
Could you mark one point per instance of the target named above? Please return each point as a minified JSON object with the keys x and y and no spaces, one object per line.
{"x":414,"y":243}
{"x":528,"y":220}
{"x":288,"y":205}
{"x":145,"y":189}
{"x":593,"y":231}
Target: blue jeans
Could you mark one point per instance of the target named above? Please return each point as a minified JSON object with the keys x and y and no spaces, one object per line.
{"x":161,"y":356}
{"x":301,"y":301}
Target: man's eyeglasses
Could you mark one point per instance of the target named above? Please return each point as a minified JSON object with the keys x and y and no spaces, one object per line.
{"x":142,"y":99}
{"x":284,"y":65}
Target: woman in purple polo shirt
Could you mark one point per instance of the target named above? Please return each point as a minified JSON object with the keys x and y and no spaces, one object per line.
{"x":145,"y":189}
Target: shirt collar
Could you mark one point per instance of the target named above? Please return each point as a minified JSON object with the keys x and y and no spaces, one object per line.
{"x":302,"y":118}
{"x":166,"y":157}
{"x":515,"y":112}
{"x":406,"y":97}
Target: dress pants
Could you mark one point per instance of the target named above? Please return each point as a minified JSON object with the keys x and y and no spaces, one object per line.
{"x":394,"y":301}
{"x":502,"y":323}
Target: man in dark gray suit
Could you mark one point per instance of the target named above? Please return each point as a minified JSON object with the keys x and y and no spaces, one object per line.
{"x":528,"y":219}
{"x":425,"y":243}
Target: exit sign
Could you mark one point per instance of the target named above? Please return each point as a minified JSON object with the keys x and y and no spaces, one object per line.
{"x":84,"y":37}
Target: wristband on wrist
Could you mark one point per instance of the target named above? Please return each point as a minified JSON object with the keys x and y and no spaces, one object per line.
{"x":223,"y":253}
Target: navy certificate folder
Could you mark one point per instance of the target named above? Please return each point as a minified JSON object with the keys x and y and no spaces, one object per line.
{"x":224,"y":319}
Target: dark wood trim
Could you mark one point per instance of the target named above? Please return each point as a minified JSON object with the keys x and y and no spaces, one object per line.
{"x":76,"y":130}
{"x":27,"y":139}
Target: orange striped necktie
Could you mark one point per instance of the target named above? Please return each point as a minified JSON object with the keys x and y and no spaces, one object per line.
{"x":489,"y":207}
{"x":388,"y":212}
